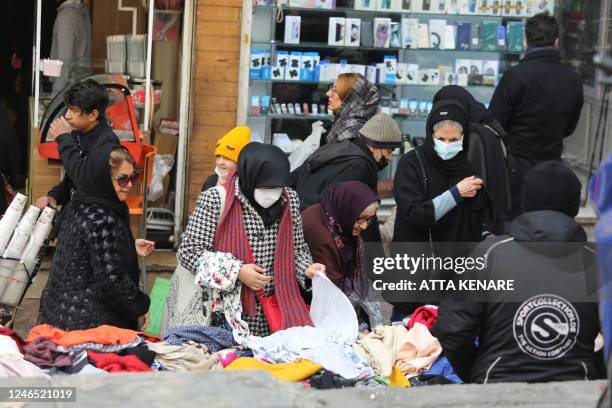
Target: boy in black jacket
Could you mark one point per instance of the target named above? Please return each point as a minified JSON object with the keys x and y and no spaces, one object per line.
{"x":84,"y":121}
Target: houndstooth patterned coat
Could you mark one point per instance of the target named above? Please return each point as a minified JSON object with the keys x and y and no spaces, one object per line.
{"x":198,"y":238}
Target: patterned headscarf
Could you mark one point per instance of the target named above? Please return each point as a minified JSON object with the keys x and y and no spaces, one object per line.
{"x":360,"y":104}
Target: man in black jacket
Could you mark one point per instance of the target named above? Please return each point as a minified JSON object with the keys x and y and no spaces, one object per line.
{"x":84,"y":121}
{"x":358,"y":159}
{"x":538,"y":102}
{"x":543,"y":330}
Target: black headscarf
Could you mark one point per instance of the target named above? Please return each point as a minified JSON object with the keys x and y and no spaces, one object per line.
{"x":98,"y":189}
{"x":477,"y":113}
{"x":458,"y":167}
{"x":263,"y":165}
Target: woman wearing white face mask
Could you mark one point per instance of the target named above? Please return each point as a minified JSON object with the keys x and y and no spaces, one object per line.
{"x":438,"y":197}
{"x":254,"y":249}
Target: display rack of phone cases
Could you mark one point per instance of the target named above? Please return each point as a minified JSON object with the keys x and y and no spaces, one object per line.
{"x":409,"y":48}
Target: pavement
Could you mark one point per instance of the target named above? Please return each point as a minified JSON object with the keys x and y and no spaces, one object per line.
{"x":255,"y":390}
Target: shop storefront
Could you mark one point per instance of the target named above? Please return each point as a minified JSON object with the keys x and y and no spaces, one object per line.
{"x":142,"y":52}
{"x":202,"y":74}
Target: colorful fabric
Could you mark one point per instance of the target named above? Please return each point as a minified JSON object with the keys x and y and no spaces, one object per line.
{"x":324,"y":347}
{"x":398,"y":379}
{"x":11,"y":366}
{"x":101,"y":348}
{"x":9,"y":347}
{"x":296,"y":371}
{"x":380,"y":348}
{"x":14,"y":335}
{"x":231,"y":237}
{"x":214,"y":338}
{"x":114,"y":363}
{"x":419,"y":351}
{"x":187,"y":357}
{"x":426,"y":315}
{"x":444,"y":368}
{"x":100,"y":335}
{"x":43,"y":352}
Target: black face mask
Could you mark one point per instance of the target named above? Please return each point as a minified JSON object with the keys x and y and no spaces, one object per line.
{"x":382,"y":163}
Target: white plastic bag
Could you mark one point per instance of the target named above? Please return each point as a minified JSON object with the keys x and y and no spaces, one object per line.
{"x":161,"y":167}
{"x":331,"y":310}
{"x":302,"y":152}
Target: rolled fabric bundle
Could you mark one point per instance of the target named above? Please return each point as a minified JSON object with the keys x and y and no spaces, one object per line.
{"x":9,"y":221}
{"x":22,"y":234}
{"x":39,"y":234}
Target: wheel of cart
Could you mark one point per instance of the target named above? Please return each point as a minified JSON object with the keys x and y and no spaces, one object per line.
{"x":121,"y":117}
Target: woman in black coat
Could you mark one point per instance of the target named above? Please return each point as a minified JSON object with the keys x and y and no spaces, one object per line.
{"x":94,"y":274}
{"x":438,"y":197}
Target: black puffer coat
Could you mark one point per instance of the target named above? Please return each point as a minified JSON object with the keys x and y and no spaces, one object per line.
{"x":91,"y":283}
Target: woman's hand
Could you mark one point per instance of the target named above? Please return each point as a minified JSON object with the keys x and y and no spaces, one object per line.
{"x":469,"y":186}
{"x":252,"y":276}
{"x":144,"y":247}
{"x":314,"y":269}
{"x":145,"y":321}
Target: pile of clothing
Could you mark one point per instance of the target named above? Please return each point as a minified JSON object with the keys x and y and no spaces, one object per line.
{"x":331,"y":354}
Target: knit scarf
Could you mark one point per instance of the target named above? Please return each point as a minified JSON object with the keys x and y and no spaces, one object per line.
{"x":231,"y":237}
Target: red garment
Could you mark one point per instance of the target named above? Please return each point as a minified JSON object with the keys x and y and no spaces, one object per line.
{"x":231,"y":237}
{"x":426,"y":315}
{"x":115,"y":363}
{"x":13,"y":334}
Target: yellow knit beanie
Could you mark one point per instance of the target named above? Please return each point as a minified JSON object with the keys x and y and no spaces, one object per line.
{"x":231,"y":143}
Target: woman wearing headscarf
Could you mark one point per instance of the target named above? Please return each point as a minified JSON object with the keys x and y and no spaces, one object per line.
{"x":333,"y":230}
{"x":438,"y":197}
{"x":252,"y":250}
{"x":94,"y":273}
{"x":353,"y":100}
{"x":488,"y":152}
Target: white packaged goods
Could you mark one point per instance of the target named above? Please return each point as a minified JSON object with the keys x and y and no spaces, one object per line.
{"x":37,"y":239}
{"x":10,"y":219}
{"x":22,"y":234}
{"x":13,"y":282}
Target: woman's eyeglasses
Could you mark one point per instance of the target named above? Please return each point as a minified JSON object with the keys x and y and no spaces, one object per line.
{"x":124,"y":179}
{"x":366,"y":220}
{"x":333,"y":89}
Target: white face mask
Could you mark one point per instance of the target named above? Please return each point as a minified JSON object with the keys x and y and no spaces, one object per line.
{"x":266,"y":197}
{"x":447,"y":151}
{"x":220,"y":173}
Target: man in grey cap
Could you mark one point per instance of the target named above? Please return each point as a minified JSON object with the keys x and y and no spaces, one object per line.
{"x":358,"y":159}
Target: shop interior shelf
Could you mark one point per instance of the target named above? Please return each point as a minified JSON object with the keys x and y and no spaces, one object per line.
{"x":394,"y":49}
{"x":378,"y":12}
{"x":329,"y":117}
{"x":378,"y":84}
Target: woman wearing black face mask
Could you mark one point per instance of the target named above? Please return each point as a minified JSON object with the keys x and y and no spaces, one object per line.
{"x":358,"y":159}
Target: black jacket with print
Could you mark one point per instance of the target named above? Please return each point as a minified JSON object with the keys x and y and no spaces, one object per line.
{"x":544,"y":329}
{"x":90,"y":283}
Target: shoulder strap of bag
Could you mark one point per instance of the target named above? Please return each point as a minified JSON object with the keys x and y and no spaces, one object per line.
{"x":422,"y":167}
{"x":222,"y":195}
{"x":425,"y":186}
